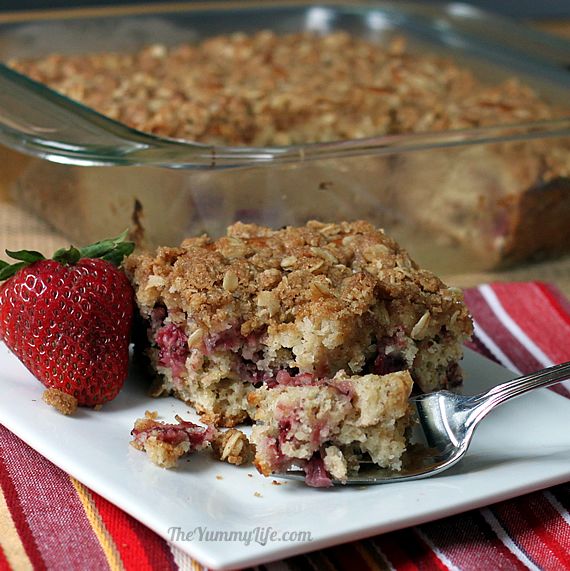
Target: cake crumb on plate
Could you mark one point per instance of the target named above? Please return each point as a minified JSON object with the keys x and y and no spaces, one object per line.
{"x":62,"y":402}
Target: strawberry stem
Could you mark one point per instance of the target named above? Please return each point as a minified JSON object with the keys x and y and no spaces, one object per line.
{"x":67,"y":256}
{"x":113,"y":250}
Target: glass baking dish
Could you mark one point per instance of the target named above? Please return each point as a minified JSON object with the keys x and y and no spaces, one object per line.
{"x":459,"y":201}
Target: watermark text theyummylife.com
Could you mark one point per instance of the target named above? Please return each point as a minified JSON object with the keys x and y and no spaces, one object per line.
{"x":260,"y":535}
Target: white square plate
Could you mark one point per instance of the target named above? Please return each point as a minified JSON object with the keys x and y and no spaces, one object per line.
{"x":521,"y":447}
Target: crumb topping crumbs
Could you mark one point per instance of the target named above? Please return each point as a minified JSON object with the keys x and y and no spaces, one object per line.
{"x":233,"y":446}
{"x":62,"y":402}
{"x":280,"y":276}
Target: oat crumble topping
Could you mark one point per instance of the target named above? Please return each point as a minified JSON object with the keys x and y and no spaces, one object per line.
{"x":264,"y":89}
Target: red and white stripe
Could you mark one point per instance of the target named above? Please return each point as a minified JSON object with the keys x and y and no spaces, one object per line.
{"x":507,"y":540}
{"x":558,"y":507}
{"x":493,"y":348}
{"x":524,"y":326}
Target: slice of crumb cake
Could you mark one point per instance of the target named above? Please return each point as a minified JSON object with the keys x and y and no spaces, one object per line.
{"x":259,"y":307}
{"x":326,"y":427}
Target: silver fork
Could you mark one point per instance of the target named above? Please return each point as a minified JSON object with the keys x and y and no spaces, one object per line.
{"x":444,"y":429}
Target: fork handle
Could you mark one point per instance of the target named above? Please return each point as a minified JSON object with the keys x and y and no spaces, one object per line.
{"x":485,"y":402}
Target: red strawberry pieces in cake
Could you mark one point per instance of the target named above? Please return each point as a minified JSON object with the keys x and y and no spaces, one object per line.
{"x":327,"y":427}
{"x":166,"y":443}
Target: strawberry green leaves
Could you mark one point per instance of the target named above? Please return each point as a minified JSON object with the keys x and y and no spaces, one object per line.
{"x":26,"y":258}
{"x":113,"y":250}
{"x":8,"y":270}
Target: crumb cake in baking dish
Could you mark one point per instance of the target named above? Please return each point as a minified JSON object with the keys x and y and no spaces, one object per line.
{"x":293,"y":308}
{"x":504,"y":201}
{"x":307,"y":87}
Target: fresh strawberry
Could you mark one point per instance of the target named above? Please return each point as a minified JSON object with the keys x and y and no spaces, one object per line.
{"x":68,"y":319}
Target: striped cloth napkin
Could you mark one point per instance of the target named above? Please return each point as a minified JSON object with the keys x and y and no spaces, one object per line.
{"x":50,"y":520}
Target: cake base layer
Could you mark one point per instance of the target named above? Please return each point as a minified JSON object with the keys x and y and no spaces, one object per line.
{"x":329,"y":427}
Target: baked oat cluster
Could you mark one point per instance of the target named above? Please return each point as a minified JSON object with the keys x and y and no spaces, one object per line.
{"x":306,"y":88}
{"x":260,"y":316}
